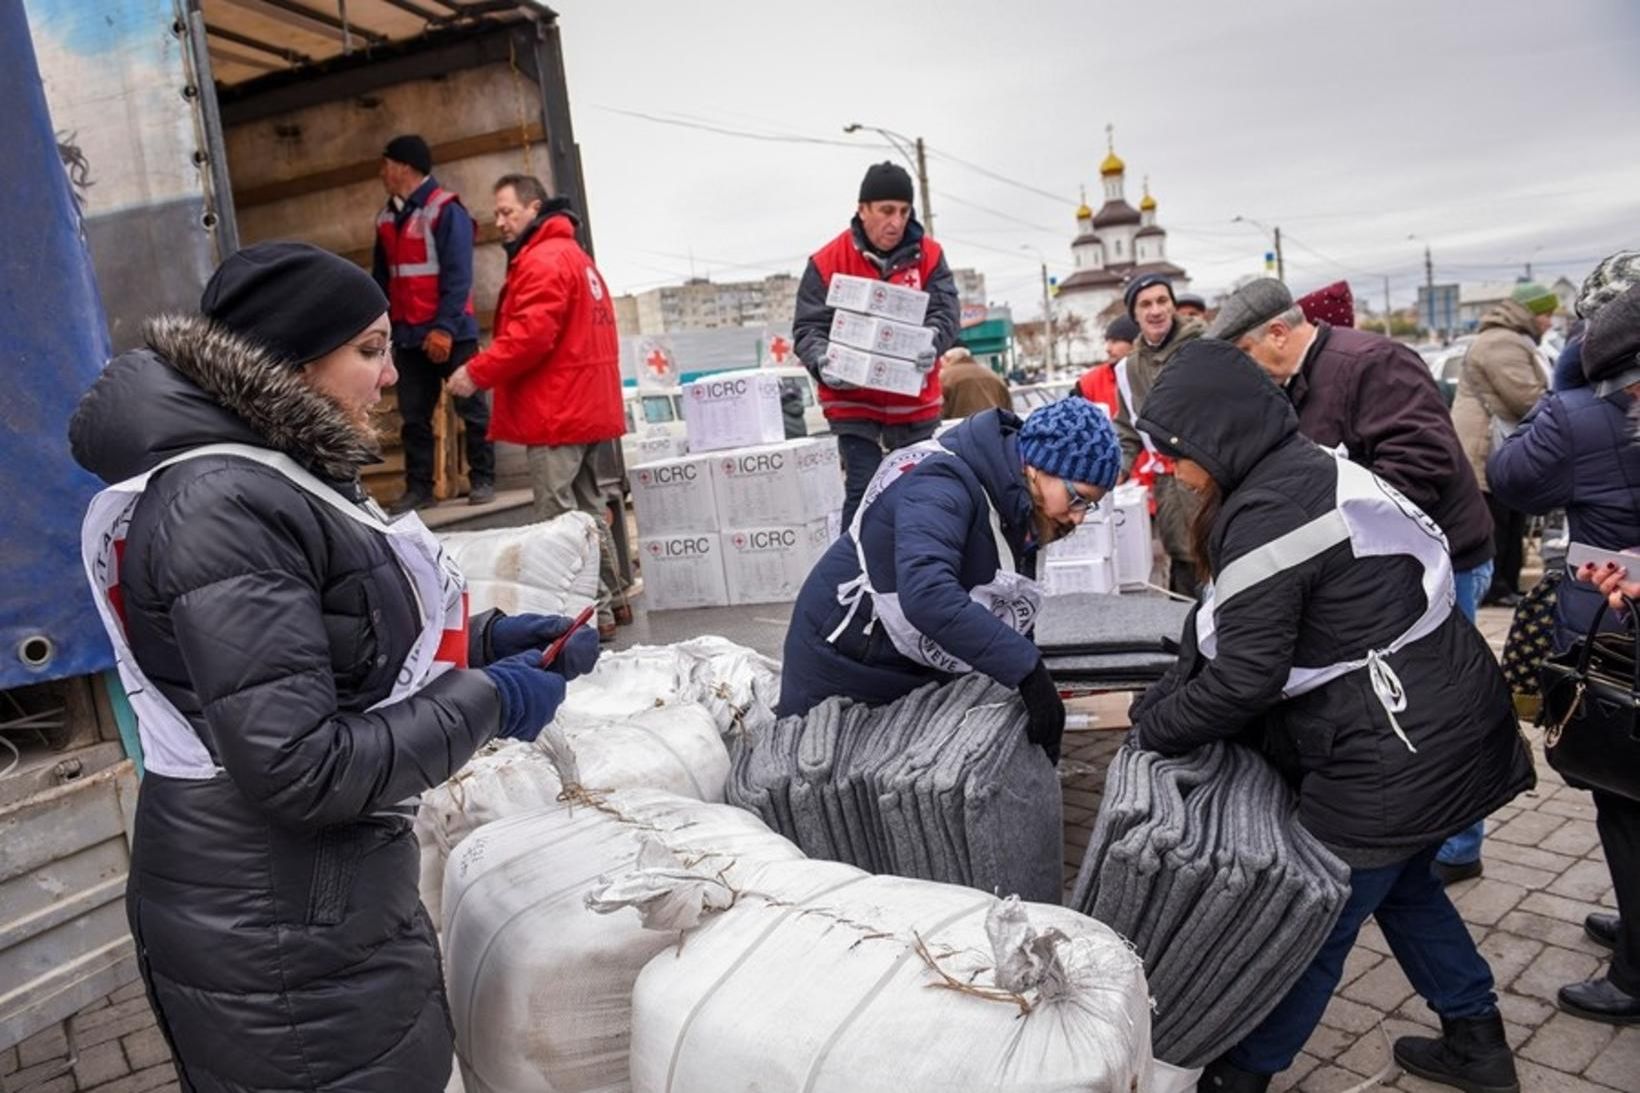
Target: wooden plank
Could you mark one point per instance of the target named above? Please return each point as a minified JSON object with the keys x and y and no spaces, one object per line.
{"x":61,"y":821}
{"x":499,"y":140}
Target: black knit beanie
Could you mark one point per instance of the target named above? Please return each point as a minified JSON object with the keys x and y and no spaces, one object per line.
{"x":294,"y":299}
{"x":886,"y":182}
{"x":411,"y":151}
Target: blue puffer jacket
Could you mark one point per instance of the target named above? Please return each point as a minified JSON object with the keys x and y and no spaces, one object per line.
{"x":928,"y":538}
{"x":1573,"y":451}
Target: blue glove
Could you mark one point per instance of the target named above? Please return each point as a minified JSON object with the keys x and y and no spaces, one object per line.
{"x":512,"y":634}
{"x":530,"y":695}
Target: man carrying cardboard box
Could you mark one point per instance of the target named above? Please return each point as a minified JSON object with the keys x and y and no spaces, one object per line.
{"x":886,"y":243}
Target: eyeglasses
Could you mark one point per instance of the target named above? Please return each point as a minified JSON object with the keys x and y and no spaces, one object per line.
{"x":1078,"y":503}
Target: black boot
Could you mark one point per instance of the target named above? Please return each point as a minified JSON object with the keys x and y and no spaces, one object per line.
{"x":1472,"y":1054}
{"x":1220,"y":1077}
{"x":1601,"y":1000}
{"x":1602,"y":929}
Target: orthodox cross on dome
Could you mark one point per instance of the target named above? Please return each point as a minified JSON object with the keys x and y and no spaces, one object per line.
{"x":1110,"y":138}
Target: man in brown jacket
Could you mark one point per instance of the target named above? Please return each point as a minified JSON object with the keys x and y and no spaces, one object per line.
{"x":969,"y":386}
{"x":1161,"y":331}
{"x":1500,"y":380}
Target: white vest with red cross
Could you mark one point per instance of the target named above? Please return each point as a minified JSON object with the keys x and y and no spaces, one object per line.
{"x":170,"y":746}
{"x":412,"y":258}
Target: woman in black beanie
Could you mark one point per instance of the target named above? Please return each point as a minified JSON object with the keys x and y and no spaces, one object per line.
{"x":300,"y":672}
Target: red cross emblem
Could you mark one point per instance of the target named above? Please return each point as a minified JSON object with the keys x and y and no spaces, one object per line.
{"x":779,"y":349}
{"x":657,"y":362}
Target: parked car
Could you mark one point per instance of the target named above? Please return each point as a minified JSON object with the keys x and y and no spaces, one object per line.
{"x":1444,"y":362}
{"x":1033,"y":396}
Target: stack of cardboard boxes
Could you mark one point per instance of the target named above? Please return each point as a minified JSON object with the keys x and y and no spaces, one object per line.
{"x":744,"y":516}
{"x":1109,"y":552}
{"x":877,"y":334}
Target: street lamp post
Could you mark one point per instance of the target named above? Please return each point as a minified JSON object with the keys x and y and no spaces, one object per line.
{"x":911,"y":148}
{"x":1281,"y":261}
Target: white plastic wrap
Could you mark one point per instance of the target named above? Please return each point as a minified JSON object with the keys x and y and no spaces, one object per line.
{"x":888,"y":983}
{"x":675,"y":749}
{"x":540,"y":985}
{"x":549,"y":568}
{"x":738,"y":685}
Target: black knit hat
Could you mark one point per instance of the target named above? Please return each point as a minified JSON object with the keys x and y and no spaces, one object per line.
{"x":411,"y":151}
{"x":1122,"y":329}
{"x":886,"y":182}
{"x":295,"y":300}
{"x":1139,"y":284}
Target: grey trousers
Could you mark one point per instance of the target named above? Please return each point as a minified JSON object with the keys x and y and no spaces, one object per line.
{"x":564,"y":481}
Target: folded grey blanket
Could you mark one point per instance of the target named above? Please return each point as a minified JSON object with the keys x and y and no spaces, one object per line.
{"x":940,"y":785}
{"x":1201,"y":863}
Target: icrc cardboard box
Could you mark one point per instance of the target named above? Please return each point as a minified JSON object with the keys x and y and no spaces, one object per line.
{"x":794,"y":482}
{"x":873,"y":370}
{"x":732,"y":410}
{"x":683,"y":570}
{"x":674,"y":495}
{"x":884,"y":336}
{"x":1082,"y":575}
{"x":1094,"y":538}
{"x":1131,"y":523}
{"x":906,"y":305}
{"x":770,"y":564}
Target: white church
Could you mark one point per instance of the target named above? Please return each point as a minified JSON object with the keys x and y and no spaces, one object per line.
{"x":1112,"y":246}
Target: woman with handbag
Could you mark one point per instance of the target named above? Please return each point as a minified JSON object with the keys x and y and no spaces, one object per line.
{"x":1330,"y":636}
{"x":1590,"y":688}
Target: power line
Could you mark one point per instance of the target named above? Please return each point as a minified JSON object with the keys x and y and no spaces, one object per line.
{"x":745,"y":134}
{"x":988,"y":173}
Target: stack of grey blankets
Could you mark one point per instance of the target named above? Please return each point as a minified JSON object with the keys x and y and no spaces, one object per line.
{"x":940,"y":785}
{"x":1112,"y":641}
{"x":1201,"y":863}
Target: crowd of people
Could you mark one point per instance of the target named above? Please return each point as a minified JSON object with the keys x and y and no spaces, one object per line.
{"x":303,"y":665}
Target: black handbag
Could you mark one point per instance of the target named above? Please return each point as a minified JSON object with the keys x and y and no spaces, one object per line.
{"x":1591,"y":710}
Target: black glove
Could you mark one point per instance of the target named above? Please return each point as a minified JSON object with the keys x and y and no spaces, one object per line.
{"x":513,"y":634}
{"x":530,"y":694}
{"x":1044,"y":711}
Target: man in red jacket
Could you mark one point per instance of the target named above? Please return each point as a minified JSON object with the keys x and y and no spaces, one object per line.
{"x":554,"y":365}
{"x":886,"y":243}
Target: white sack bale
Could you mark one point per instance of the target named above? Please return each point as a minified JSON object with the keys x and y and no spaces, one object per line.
{"x":888,"y":983}
{"x":740,"y":686}
{"x":674,"y":749}
{"x":548,"y":568}
{"x":540,"y":986}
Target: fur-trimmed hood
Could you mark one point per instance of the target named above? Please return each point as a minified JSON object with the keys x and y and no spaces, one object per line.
{"x":198,"y":383}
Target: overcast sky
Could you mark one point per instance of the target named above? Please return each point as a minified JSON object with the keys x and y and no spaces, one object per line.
{"x":1498,"y":131}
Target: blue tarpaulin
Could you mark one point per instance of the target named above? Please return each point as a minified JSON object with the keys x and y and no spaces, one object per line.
{"x":53,"y":343}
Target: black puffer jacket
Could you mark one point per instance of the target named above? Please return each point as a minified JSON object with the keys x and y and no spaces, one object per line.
{"x":274,"y":906}
{"x":1360,"y":790}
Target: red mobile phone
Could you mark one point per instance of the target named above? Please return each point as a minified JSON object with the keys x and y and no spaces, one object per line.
{"x":558,"y":644}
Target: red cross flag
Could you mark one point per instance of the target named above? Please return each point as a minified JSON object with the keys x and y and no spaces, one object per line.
{"x":777,"y":350}
{"x":657,"y":367}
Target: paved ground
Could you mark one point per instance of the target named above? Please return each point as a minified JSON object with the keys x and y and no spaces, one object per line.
{"x":1544,"y":872}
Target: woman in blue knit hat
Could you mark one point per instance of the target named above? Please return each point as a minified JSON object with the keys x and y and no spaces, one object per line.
{"x":933,"y":577}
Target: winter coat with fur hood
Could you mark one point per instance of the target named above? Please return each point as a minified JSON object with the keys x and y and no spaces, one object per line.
{"x":274,"y":906}
{"x":1360,"y":789}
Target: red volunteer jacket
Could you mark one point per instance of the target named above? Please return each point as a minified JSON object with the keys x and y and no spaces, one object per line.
{"x":928,"y":274}
{"x":555,"y":362}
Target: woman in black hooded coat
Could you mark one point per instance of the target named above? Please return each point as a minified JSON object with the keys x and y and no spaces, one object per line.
{"x":1390,"y":757}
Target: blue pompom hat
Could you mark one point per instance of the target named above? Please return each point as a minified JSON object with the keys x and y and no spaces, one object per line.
{"x":1073,"y":439}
